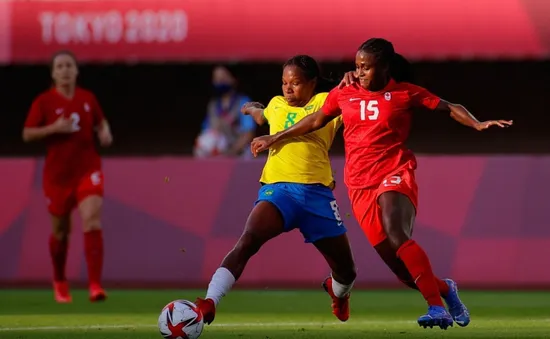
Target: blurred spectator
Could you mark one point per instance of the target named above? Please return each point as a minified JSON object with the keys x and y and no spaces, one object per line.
{"x":225,"y":130}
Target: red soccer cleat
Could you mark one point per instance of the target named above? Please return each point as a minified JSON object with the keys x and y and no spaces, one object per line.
{"x":61,"y":292}
{"x":208,"y":309}
{"x":97,"y":293}
{"x":340,"y":306}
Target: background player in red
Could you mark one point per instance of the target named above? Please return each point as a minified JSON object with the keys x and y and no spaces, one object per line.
{"x":379,"y":170}
{"x":67,"y":118}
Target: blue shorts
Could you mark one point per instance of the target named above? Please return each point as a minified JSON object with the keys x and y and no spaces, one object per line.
{"x":309,"y":207}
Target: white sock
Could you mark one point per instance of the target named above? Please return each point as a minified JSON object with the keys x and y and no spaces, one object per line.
{"x":221,"y":283}
{"x":340,"y":290}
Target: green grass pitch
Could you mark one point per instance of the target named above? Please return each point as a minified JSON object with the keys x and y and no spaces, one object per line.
{"x":132,"y":314}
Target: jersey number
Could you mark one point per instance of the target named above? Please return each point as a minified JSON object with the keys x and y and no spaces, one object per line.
{"x":290,"y":119}
{"x":75,"y":118}
{"x":336,"y":211}
{"x":372,"y":107}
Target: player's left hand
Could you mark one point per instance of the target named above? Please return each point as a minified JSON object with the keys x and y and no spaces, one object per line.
{"x":500,"y":123}
{"x":105,"y":137}
{"x":349,"y":79}
{"x":249,"y":106}
{"x":261,"y":144}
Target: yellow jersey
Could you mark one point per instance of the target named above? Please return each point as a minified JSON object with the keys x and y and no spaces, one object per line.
{"x":304,"y":159}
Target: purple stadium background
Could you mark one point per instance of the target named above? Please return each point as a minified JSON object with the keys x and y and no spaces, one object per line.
{"x":483,"y":221}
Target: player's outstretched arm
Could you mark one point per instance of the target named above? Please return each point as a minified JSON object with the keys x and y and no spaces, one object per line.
{"x":255,"y":110}
{"x":307,"y":125}
{"x":463,"y":116}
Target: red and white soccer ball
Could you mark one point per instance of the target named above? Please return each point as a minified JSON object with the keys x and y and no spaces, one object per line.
{"x":181,"y":319}
{"x":210,"y":143}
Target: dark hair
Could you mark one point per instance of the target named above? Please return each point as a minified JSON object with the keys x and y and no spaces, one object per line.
{"x":62,"y":52}
{"x":311,"y":71}
{"x":383,"y":51}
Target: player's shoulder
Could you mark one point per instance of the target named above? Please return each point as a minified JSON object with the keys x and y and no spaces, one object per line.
{"x":347,"y":91}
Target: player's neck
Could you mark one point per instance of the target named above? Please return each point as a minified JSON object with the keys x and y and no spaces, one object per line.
{"x":66,"y":91}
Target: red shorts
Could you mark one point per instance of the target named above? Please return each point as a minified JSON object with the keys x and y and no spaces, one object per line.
{"x":364,"y":202}
{"x":63,"y":199}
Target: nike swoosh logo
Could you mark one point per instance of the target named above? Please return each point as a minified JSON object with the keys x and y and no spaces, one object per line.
{"x":354,"y":99}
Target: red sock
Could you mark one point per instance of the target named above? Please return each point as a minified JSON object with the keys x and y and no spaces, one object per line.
{"x":443,"y":287}
{"x":419,"y":267}
{"x":58,"y":253}
{"x":93,"y":248}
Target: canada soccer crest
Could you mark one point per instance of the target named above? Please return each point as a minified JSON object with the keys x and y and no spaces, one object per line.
{"x":387,"y":96}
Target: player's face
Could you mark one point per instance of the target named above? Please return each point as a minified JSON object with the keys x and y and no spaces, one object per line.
{"x":64,"y":71}
{"x":296,"y":88}
{"x":372,"y":75}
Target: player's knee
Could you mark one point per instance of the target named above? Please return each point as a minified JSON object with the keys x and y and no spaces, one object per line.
{"x":61,"y":228}
{"x":91,"y":223}
{"x":394,"y":228}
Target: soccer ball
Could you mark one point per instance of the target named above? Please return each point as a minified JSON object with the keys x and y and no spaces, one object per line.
{"x":181,"y":319}
{"x":210,"y":143}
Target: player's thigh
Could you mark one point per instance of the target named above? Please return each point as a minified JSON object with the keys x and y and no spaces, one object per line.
{"x":273,"y":214}
{"x":398,"y":196}
{"x":368,"y":214}
{"x":89,"y":196}
{"x":60,"y":201}
{"x":281,"y":204}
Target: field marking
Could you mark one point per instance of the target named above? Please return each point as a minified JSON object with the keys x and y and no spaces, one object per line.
{"x":233,"y":325}
{"x":248,"y":325}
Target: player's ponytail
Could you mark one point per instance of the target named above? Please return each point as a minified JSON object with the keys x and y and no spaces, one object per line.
{"x":400,"y":69}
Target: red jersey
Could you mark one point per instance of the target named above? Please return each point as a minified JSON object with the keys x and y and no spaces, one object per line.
{"x":72,"y":155}
{"x":376,"y":126}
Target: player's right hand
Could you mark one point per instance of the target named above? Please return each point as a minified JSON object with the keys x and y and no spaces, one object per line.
{"x":63,"y":125}
{"x":247,"y":107}
{"x":349,"y":79}
{"x":261,"y":144}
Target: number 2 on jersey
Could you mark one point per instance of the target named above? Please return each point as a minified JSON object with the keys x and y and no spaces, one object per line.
{"x":75,"y":118}
{"x":372,"y":107}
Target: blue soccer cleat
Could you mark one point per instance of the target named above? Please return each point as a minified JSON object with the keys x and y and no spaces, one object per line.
{"x":457,"y":309}
{"x":436,"y":316}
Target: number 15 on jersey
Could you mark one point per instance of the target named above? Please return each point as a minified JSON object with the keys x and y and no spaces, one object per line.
{"x":371,"y":107}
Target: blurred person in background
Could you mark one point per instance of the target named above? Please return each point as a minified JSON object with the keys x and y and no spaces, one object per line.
{"x":225,"y":130}
{"x":67,"y":118}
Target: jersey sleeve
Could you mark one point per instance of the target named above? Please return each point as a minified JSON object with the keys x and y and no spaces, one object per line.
{"x":421,"y":97}
{"x":331,"y":106}
{"x":99,"y":116}
{"x":268,"y":111}
{"x":35,"y":117}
